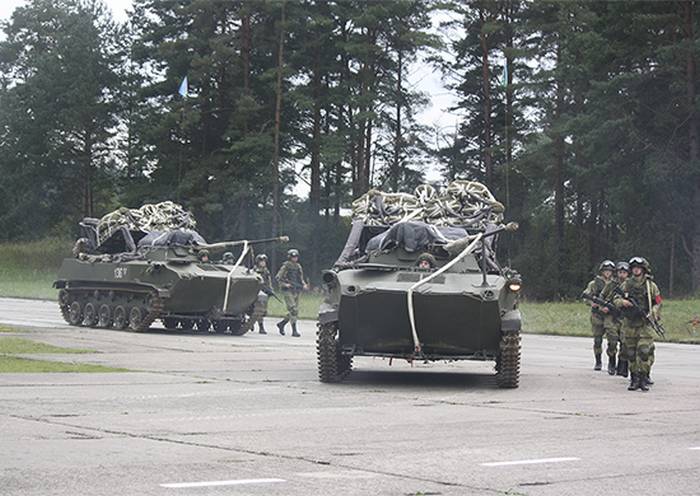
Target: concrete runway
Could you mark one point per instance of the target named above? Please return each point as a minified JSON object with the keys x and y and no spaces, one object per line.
{"x":223,"y":415}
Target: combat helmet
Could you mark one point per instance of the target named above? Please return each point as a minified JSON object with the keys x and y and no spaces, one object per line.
{"x":427,"y":257}
{"x":292,"y":253}
{"x":259,"y":257}
{"x":622,"y":265}
{"x":640,"y":262}
{"x":606,"y":265}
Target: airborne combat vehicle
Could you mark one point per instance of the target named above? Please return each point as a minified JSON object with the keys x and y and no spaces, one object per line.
{"x":133,"y":267}
{"x":418,"y":280}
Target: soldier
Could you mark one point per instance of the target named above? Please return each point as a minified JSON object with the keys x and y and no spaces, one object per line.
{"x":291,"y":281}
{"x":594,"y":288}
{"x":260,"y":307}
{"x":611,"y":324}
{"x":426,"y":261}
{"x":639,"y":336}
{"x":623,"y":272}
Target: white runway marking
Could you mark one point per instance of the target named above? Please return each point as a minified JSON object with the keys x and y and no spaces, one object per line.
{"x":695,"y":448}
{"x":530,"y":462}
{"x":238,"y":482}
{"x":350,"y":474}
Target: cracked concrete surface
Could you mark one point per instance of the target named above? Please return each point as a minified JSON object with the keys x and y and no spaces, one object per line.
{"x":249,"y":411}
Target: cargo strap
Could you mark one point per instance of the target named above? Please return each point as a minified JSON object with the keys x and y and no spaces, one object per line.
{"x":244,"y":252}
{"x":409,"y":294}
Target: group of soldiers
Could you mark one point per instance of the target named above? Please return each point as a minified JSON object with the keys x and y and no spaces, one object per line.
{"x":625,"y":303}
{"x":291,"y":282}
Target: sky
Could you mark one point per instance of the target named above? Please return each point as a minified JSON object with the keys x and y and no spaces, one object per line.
{"x":422,"y":77}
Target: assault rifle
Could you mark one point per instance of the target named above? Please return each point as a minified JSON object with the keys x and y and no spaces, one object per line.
{"x":614,"y":311}
{"x":295,"y":286}
{"x":268,"y":291}
{"x":636,"y":307}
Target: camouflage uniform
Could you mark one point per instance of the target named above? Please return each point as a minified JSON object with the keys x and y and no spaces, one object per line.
{"x":639,"y":336}
{"x":611,"y":325}
{"x":595,"y":288}
{"x":260,"y":306}
{"x":291,"y":282}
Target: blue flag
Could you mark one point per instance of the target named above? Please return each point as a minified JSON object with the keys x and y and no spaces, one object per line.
{"x":183,"y":88}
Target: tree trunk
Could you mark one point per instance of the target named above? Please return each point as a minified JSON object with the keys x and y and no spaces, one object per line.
{"x":398,"y":139}
{"x":246,"y":43}
{"x":88,"y":202}
{"x":509,"y":96}
{"x":559,"y":192}
{"x":278,"y":119}
{"x":315,"y":193}
{"x":672,"y":265}
{"x":693,"y":145}
{"x":245,"y":51}
{"x":487,"y":151}
{"x":367,"y":179}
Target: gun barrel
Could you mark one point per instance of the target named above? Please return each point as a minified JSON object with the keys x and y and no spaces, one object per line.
{"x":231,"y":244}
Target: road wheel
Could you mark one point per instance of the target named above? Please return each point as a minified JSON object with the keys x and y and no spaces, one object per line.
{"x":136,"y":318}
{"x":170,"y":323}
{"x":104,"y":316}
{"x":219,"y":326}
{"x":89,"y":314}
{"x":187,"y":324}
{"x":203,"y":325}
{"x":75,"y":314}
{"x":237,"y":328}
{"x":333,"y":366}
{"x":120,"y":318}
{"x":508,"y":363}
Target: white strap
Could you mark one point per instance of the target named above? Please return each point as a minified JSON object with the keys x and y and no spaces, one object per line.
{"x":230,"y":274}
{"x":447,"y":266}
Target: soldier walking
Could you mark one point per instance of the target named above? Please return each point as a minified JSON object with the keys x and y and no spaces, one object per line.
{"x":290,"y":278}
{"x":641,"y":291}
{"x":594,"y":289}
{"x":260,"y":307}
{"x":623,"y":272}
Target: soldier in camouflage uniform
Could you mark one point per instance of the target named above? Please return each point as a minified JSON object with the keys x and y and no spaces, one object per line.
{"x":598,"y":314}
{"x":290,"y":278}
{"x":611,"y":325}
{"x":260,"y":307}
{"x":639,"y":336}
{"x":623,"y":272}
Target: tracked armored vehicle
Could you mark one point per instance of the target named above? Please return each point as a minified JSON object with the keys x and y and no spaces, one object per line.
{"x":421,"y":291}
{"x":126,"y":278}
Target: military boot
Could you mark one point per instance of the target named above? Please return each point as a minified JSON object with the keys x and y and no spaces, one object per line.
{"x":598,"y":362}
{"x":648,"y":380}
{"x":261,"y":328}
{"x":634,"y":382}
{"x":622,"y":368}
{"x":612,"y":366}
{"x":643,"y":385}
{"x":281,"y":324}
{"x":295,"y":334}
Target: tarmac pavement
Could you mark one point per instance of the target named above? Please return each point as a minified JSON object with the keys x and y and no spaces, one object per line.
{"x":225,"y":415}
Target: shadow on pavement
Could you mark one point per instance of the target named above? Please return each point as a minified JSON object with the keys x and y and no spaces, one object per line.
{"x":421,"y":379}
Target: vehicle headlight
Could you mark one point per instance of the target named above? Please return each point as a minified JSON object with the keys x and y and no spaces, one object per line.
{"x":515,"y":286}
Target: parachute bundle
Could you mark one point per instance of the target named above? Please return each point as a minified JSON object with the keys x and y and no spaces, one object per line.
{"x":162,"y":216}
{"x":461,"y":204}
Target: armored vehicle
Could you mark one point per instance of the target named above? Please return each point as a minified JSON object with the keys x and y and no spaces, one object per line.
{"x":421,"y":289}
{"x":124,"y":277}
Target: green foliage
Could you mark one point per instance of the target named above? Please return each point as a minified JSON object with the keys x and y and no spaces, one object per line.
{"x":15,"y":346}
{"x":9,"y":363}
{"x":589,"y":142}
{"x":28,"y":269}
{"x":8,"y":329}
{"x":17,"y":365}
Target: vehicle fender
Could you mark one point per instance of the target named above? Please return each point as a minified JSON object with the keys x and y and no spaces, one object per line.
{"x":327,"y":313}
{"x":511,"y":321}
